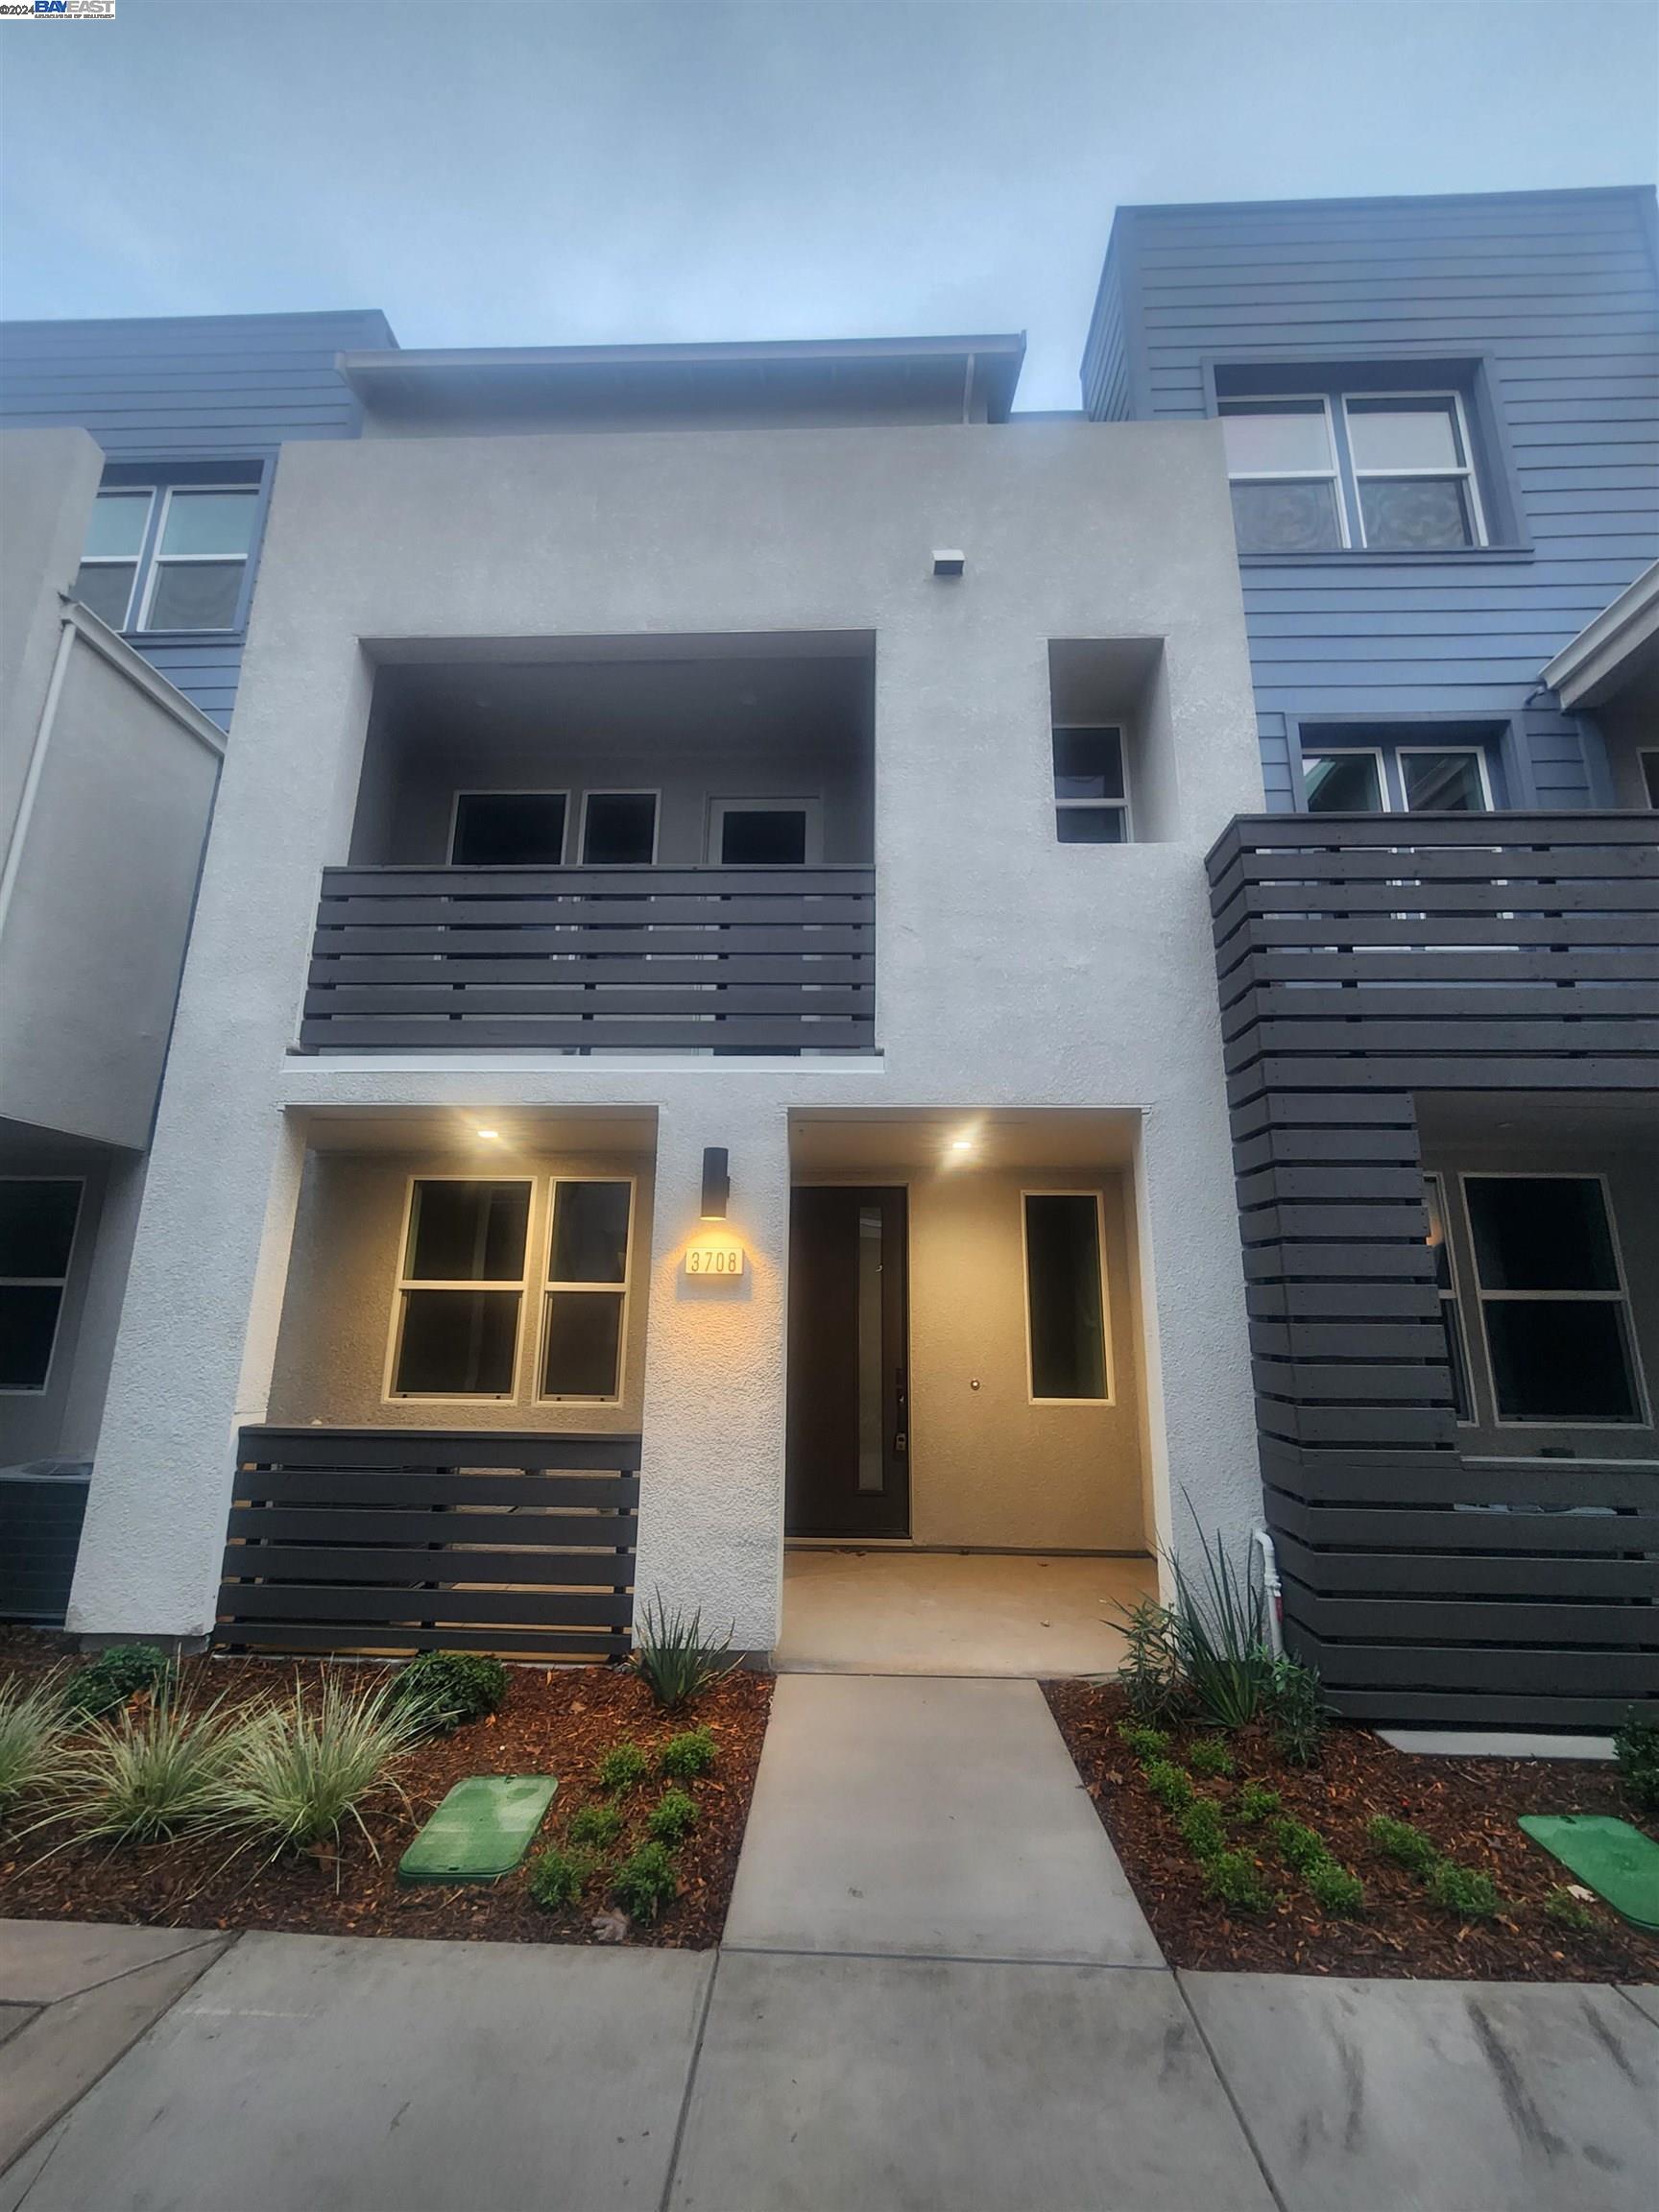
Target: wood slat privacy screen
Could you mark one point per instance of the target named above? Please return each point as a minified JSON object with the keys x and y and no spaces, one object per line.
{"x":575,"y":959}
{"x":1363,"y":960}
{"x":419,"y":1540}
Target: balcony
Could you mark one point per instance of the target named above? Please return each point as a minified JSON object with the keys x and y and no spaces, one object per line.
{"x":585,"y":959}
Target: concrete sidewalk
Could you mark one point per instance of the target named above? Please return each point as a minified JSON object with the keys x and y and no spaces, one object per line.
{"x":936,"y":1995}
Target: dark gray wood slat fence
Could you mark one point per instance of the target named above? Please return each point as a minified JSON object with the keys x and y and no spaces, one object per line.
{"x":1363,"y":960}
{"x":359,"y":1540}
{"x":579,"y":959}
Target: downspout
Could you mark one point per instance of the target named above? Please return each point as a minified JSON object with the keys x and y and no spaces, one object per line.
{"x":1274,"y":1589}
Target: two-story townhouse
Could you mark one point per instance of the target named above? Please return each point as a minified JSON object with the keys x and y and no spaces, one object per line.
{"x":700,"y":1038}
{"x":135,"y":462}
{"x":1438,"y":951}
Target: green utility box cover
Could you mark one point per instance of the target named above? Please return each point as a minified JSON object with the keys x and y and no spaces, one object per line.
{"x":481,"y":1831}
{"x":1615,"y":1860}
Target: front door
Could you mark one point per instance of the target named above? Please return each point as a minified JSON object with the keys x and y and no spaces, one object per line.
{"x":849,"y":1467}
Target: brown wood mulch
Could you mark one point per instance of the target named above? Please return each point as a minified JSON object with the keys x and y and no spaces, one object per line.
{"x":554,"y":1721}
{"x":1468,"y":1806}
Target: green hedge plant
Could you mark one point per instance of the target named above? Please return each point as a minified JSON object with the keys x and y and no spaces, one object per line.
{"x":452,"y":1687}
{"x":672,"y":1818}
{"x":113,"y":1678}
{"x":595,"y":1827}
{"x":621,"y":1768}
{"x":1636,"y":1747}
{"x":558,"y":1878}
{"x":684,"y":1758}
{"x":646,"y":1881}
{"x":1406,"y":1845}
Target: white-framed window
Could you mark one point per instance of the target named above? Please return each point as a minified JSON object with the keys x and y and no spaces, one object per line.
{"x":508,"y":828}
{"x":1091,"y":784}
{"x":1367,"y":779}
{"x":115,"y":536}
{"x":455,"y":1324}
{"x":585,"y":1300}
{"x":1414,"y":481}
{"x":1345,"y":779}
{"x":765,"y":832}
{"x":619,"y":828}
{"x":1446,"y":1285}
{"x":1063,"y":1247}
{"x":1554,"y":1308}
{"x":37,"y":1218}
{"x":1283,"y":473}
{"x":201,"y":559}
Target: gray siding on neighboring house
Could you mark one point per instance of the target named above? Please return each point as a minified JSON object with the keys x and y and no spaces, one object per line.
{"x":1558,"y":295}
{"x":188,"y":389}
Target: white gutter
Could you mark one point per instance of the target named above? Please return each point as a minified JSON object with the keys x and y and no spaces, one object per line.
{"x":1586,"y":670}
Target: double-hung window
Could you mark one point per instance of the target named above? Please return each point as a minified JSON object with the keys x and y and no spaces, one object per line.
{"x":1553,"y":1309}
{"x":587,"y":1293}
{"x":1329,"y":471}
{"x":461,"y":1289}
{"x":1091,"y":787}
{"x":37,"y":1216}
{"x":170,"y":556}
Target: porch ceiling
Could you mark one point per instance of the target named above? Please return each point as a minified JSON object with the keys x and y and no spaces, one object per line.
{"x":832,"y":1141}
{"x":437,"y":1129}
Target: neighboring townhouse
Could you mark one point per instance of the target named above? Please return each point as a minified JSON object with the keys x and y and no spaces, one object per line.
{"x":135,"y":460}
{"x":700,"y":1029}
{"x":1438,"y":957}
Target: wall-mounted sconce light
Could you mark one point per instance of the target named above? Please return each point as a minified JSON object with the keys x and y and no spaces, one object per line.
{"x":948,"y":561}
{"x":716,"y":1183}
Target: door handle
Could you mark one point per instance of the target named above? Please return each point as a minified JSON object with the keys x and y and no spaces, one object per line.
{"x":898,"y":1442}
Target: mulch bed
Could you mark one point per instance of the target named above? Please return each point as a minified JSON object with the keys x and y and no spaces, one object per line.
{"x":1467,"y":1806}
{"x":554,"y":1721}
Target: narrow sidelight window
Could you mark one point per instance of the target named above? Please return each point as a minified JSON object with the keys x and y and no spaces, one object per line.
{"x":1091,"y":794}
{"x":586,"y":1295}
{"x":508,"y":829}
{"x":462,"y":1290}
{"x":37,"y":1216}
{"x":1553,"y":1301}
{"x":1065,"y":1300}
{"x":109,"y":565}
{"x":619,"y":828}
{"x":201,"y":558}
{"x":1445,"y":1283}
{"x":1282,"y":467}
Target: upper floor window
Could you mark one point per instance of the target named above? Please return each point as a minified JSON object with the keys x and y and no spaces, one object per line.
{"x":1375,"y":771}
{"x":1324,"y":471}
{"x":169,"y":556}
{"x":1091,"y":788}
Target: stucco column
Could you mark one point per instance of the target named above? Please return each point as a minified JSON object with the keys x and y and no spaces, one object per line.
{"x":712,"y":1480}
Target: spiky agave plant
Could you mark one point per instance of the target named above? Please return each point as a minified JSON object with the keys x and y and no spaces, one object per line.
{"x":674,"y":1657}
{"x":1222,"y":1637}
{"x":303,"y":1767}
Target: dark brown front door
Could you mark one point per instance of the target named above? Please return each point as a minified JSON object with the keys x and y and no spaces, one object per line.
{"x":848,"y":1465}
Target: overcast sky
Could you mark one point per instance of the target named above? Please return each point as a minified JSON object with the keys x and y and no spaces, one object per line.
{"x":522,"y":172}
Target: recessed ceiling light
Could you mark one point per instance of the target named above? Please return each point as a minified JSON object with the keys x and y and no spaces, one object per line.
{"x":961,"y":1144}
{"x":496,"y":1134}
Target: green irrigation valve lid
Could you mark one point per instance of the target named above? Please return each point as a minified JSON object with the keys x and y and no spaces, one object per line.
{"x":481,"y":1831}
{"x":1617,"y":1860}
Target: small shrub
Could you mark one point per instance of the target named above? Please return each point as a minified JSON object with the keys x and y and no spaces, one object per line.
{"x":673,"y":1818}
{"x":1146,"y":1743}
{"x":1254,"y":1801}
{"x":1203,"y":1830}
{"x":1295,"y":1708}
{"x":683,"y":1757}
{"x":620,"y":1769}
{"x":1406,"y":1845}
{"x":1210,"y":1756}
{"x":646,"y":1882}
{"x":31,"y":1724}
{"x":1636,"y":1747}
{"x":1221,"y":1637}
{"x":672,"y":1654}
{"x":1169,"y":1785}
{"x":1570,"y":1911}
{"x":305,"y":1768}
{"x":1298,"y":1846}
{"x":595,"y":1827}
{"x":1232,"y":1878}
{"x":1335,"y":1890}
{"x":454,"y":1688}
{"x":113,"y":1678}
{"x":149,"y":1773}
{"x":1464,"y":1891}
{"x":558,"y":1878}
{"x":1151,"y":1671}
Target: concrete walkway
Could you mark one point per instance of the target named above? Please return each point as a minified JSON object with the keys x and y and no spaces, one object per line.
{"x":936,"y":1995}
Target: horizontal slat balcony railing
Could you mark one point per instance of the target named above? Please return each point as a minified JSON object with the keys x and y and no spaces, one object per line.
{"x":584,"y":959}
{"x":398,"y":1540}
{"x":1365,"y":961}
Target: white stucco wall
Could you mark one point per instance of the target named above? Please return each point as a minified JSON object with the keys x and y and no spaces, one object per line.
{"x":1011,"y":970}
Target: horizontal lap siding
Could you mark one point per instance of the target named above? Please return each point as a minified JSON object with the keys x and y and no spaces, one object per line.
{"x":1559,"y":293}
{"x":1360,"y":963}
{"x":191,"y":389}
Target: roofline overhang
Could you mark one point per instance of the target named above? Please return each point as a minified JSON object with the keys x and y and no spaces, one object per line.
{"x":1596,"y":665}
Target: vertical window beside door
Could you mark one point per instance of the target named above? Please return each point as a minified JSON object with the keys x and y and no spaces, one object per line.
{"x":461,"y":1289}
{"x":1553,"y":1309}
{"x":37,"y":1216}
{"x":1065,"y":1295}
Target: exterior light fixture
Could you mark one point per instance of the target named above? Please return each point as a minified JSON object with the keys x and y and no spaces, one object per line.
{"x":492,"y":1135}
{"x":947,"y":561}
{"x":716,"y":1183}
